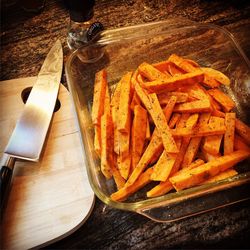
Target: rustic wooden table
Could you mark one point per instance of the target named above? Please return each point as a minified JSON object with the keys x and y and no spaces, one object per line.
{"x":25,"y":39}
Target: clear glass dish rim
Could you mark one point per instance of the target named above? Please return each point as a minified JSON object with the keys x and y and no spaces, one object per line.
{"x":170,"y":198}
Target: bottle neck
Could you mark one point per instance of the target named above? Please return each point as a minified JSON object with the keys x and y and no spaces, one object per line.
{"x":77,"y":29}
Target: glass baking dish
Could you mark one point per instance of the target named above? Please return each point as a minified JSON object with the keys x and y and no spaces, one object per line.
{"x":121,"y":50}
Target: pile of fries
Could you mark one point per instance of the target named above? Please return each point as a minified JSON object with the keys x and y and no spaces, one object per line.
{"x":166,"y":123}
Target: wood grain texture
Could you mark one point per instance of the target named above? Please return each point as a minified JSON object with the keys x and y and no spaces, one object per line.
{"x":24,"y":43}
{"x":52,"y":197}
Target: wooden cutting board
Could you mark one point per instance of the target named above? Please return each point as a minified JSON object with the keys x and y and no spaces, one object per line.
{"x":50,"y":199}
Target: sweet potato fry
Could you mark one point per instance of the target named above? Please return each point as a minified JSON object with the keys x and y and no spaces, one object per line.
{"x":119,"y":180}
{"x":124,"y":103}
{"x":138,"y":133}
{"x":170,"y":163}
{"x":217,"y":75}
{"x":154,"y":147}
{"x":218,"y":113}
{"x":207,"y":170}
{"x":161,"y":123}
{"x":114,"y":112}
{"x":221,"y":176}
{"x":164,"y":97}
{"x":124,"y":150}
{"x":210,"y":81}
{"x":212,"y":144}
{"x":106,"y":152}
{"x":193,"y":107}
{"x":210,"y":77}
{"x":191,"y":123}
{"x":153,"y":106}
{"x":160,"y":189}
{"x":107,"y":108}
{"x":126,"y":191}
{"x":97,"y":140}
{"x":124,"y":164}
{"x":151,"y":73}
{"x":148,"y":132}
{"x":169,"y":108}
{"x":239,"y":143}
{"x":215,"y":104}
{"x":134,"y":79}
{"x":100,"y":85}
{"x":180,"y":125}
{"x":225,"y":101}
{"x":174,"y":120}
{"x":195,"y":91}
{"x":243,"y":130}
{"x":192,"y":62}
{"x":185,"y":65}
{"x":209,"y":157}
{"x":194,"y":164}
{"x":163,"y":167}
{"x":229,"y":134}
{"x":215,"y":126}
{"x":166,"y":186}
{"x":168,"y":67}
{"x":194,"y":143}
{"x":175,"y":82}
{"x":135,"y":101}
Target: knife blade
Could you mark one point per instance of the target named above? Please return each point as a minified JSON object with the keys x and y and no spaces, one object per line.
{"x":30,"y":132}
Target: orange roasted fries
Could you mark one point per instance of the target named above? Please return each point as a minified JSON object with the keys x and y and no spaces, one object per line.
{"x":167,"y":124}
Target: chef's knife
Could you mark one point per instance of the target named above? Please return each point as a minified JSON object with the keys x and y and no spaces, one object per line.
{"x":28,"y":137}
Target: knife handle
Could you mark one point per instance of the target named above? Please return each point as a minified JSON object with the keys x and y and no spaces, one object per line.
{"x":5,"y":180}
